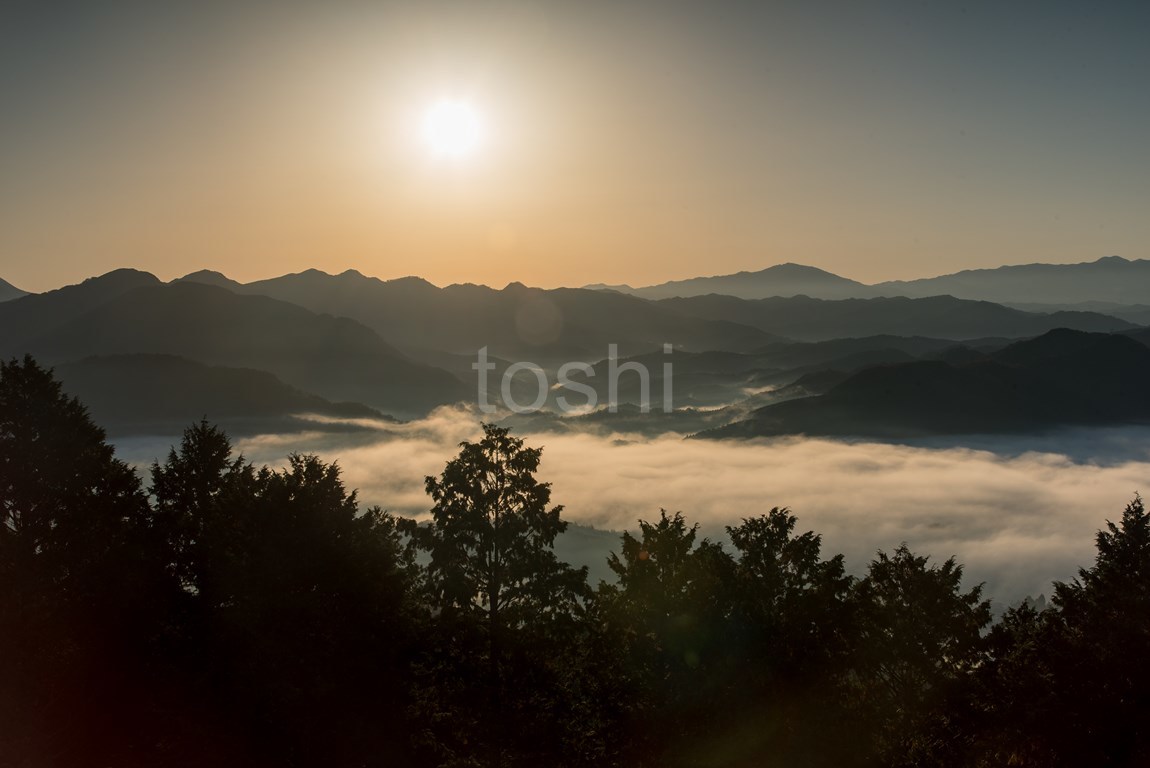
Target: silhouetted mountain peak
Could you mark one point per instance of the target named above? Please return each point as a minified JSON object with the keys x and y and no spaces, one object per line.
{"x":209,"y":277}
{"x":202,"y":275}
{"x":791,"y":269}
{"x":788,"y":279}
{"x":104,"y":287}
{"x":123,"y":277}
{"x":411,"y":281}
{"x":46,"y":310}
{"x":354,"y":277}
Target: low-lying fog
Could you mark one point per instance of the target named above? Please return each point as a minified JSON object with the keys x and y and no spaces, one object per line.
{"x":1018,"y":512}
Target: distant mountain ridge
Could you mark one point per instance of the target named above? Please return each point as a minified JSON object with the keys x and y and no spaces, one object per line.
{"x":1111,"y":285}
{"x":780,"y":280}
{"x":1110,"y":280}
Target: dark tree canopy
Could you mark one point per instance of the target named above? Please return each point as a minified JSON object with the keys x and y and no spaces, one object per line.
{"x":494,"y":578}
{"x":286,"y":554}
{"x":200,"y":493}
{"x":794,"y":600}
{"x":492,"y":535}
{"x":919,"y":639}
{"x":1068,"y":686}
{"x":65,"y":500}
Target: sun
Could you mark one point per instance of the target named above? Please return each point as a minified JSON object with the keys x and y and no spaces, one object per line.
{"x":452,"y":128}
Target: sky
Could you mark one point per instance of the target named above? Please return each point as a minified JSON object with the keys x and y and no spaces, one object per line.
{"x":624,"y":141}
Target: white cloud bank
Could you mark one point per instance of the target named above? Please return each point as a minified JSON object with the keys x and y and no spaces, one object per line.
{"x":1017,"y":518}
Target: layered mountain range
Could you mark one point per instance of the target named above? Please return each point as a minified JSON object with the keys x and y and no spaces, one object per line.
{"x":789,"y":349}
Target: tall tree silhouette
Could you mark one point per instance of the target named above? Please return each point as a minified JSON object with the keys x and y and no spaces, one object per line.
{"x":491,"y":545}
{"x":795,"y":601}
{"x":919,"y":642}
{"x":492,"y":536}
{"x":200,"y":494}
{"x":1100,"y":649}
{"x":669,"y":612}
{"x":1067,"y":686}
{"x":793,"y":631}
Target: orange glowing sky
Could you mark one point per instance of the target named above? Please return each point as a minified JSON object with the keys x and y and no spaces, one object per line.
{"x":623,"y":141}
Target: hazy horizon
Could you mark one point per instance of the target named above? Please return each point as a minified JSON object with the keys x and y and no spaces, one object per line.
{"x":236,"y":275}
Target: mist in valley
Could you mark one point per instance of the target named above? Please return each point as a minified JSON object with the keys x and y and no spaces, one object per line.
{"x":1019,"y":512}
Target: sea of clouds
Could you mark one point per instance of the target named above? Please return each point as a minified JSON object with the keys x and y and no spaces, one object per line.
{"x":1018,"y":512}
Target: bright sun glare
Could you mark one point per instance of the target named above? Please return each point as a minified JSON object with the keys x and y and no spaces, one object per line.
{"x":452,"y":128}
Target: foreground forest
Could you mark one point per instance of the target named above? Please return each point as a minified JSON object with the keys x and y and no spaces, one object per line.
{"x":219,"y":613}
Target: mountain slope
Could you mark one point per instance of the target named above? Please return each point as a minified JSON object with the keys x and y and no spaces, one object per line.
{"x":941,"y":317}
{"x":156,"y":394}
{"x":1063,"y":377}
{"x":806,"y":354}
{"x":39,"y":312}
{"x":336,"y":358}
{"x":1109,"y":279}
{"x":9,"y":291}
{"x":1139,"y":314}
